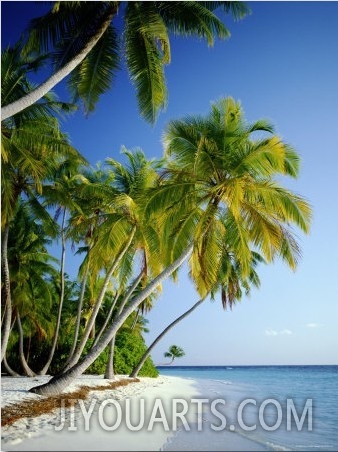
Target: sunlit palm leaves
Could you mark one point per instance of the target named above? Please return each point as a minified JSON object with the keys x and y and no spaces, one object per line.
{"x":223,"y":177}
{"x":143,"y":41}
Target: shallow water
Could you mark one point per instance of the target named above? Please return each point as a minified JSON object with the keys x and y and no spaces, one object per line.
{"x":283,"y":408}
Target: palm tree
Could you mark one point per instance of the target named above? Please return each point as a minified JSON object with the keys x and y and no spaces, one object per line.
{"x":121,"y":214}
{"x":30,"y":266}
{"x":231,"y":176}
{"x":27,"y":138}
{"x":90,"y":196}
{"x":174,"y":352}
{"x":218,"y":170}
{"x":58,"y":194}
{"x":84,"y":43}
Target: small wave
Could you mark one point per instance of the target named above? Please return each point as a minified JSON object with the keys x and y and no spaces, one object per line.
{"x":224,"y":382}
{"x":277,"y":447}
{"x":314,"y":446}
{"x":229,"y":368}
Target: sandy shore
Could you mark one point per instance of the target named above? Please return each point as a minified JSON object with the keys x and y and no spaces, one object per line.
{"x":134,"y":417}
{"x":40,"y":433}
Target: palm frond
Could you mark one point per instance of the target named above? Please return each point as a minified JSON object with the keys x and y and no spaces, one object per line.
{"x":94,"y":75}
{"x":147,"y":50}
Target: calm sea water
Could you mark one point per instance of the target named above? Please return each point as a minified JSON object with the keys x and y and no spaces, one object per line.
{"x":302,"y":384}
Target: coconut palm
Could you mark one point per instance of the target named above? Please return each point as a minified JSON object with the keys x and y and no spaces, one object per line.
{"x":58,"y":194}
{"x":85,"y":44}
{"x":27,"y":138}
{"x":231,"y":175}
{"x":90,"y":196}
{"x":122,"y":215}
{"x":174,"y":352}
{"x":30,"y":266}
{"x":218,"y":170}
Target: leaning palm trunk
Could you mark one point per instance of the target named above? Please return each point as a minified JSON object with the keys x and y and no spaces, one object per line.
{"x":109,"y":374}
{"x":58,"y":383}
{"x":122,"y":305}
{"x":79,"y":313}
{"x":27,"y":370}
{"x":98,"y":303}
{"x":6,"y":327}
{"x":44,"y":370}
{"x":8,"y":368}
{"x":138,"y":367}
{"x":109,"y":316}
{"x":41,"y":90}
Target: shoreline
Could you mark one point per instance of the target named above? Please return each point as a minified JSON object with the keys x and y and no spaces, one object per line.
{"x":110,"y":419}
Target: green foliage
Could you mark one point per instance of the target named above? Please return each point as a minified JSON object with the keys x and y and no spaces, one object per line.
{"x":128,"y":352}
{"x":129,"y":349}
{"x":144,"y":42}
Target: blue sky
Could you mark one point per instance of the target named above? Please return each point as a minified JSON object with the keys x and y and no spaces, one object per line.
{"x":281,"y":63}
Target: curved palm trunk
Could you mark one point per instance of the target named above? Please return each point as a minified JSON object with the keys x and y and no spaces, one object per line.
{"x":27,"y":370}
{"x":109,"y":374}
{"x":109,"y":316}
{"x":58,"y":383}
{"x":44,"y":370}
{"x":6,"y":327}
{"x":41,"y":90}
{"x":98,"y":303}
{"x":138,"y":367}
{"x":79,"y":312}
{"x":11,"y":372}
{"x":122,"y":305}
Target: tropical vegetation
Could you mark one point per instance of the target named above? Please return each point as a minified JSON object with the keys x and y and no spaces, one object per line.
{"x":213,"y":200}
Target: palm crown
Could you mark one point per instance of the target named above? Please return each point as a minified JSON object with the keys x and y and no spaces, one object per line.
{"x":223,"y":182}
{"x":82,"y":41}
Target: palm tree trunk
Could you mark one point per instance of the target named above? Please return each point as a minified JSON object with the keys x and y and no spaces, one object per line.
{"x":62,"y":296}
{"x":27,"y":370}
{"x":109,"y":374}
{"x":79,"y":312}
{"x":110,"y":363}
{"x":136,"y":319}
{"x":104,"y":326}
{"x":11,"y":372}
{"x":138,"y":367}
{"x":58,"y":383}
{"x":98,"y":303}
{"x":7,"y":290}
{"x":41,"y":90}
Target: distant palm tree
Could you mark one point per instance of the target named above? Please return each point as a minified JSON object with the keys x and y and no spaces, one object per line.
{"x":174,"y":352}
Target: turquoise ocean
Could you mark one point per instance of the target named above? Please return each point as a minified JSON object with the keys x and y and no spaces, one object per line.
{"x":305,"y":388}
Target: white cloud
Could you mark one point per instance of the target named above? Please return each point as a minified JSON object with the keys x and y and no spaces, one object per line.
{"x":314,"y":325}
{"x":286,"y":331}
{"x":271,"y":332}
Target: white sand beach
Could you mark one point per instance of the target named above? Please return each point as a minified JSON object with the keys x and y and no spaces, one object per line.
{"x":133,"y":417}
{"x":39,"y":433}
